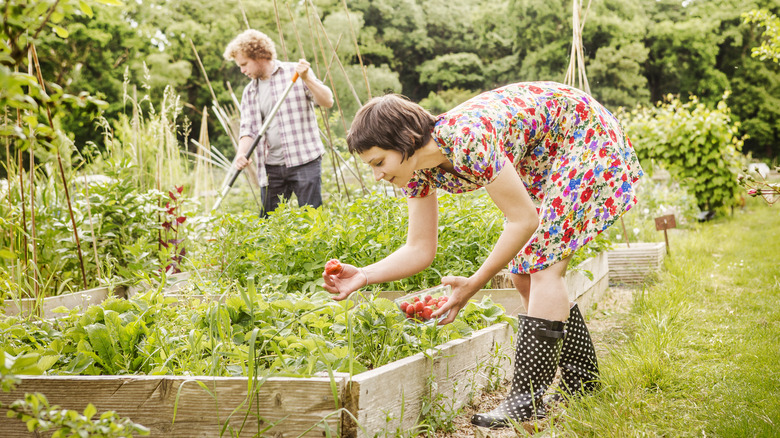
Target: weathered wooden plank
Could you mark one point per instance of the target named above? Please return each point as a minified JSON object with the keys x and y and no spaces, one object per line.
{"x":391,"y":397}
{"x":631,"y":264}
{"x":289,"y":407}
{"x":46,"y":305}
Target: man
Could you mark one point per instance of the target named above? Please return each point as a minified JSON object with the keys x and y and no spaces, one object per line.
{"x":290,"y":154}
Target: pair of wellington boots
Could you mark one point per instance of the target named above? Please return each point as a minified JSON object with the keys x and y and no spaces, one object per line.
{"x":542,"y":347}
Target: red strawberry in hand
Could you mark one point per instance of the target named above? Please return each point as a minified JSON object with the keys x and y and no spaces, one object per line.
{"x":333,"y":267}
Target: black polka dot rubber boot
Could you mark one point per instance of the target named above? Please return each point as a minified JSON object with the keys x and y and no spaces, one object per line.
{"x":536,"y":360}
{"x":579,"y":367}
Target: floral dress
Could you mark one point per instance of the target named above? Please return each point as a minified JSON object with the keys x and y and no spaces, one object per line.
{"x":576,"y":163}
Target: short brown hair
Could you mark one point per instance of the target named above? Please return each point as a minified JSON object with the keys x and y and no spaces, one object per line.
{"x":253,"y":44}
{"x":390,"y":122}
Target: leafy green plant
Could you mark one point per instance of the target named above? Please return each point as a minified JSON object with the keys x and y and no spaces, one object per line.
{"x":39,"y":416}
{"x":252,"y":332}
{"x":358,"y":232}
{"x":698,"y":145}
{"x":770,"y":47}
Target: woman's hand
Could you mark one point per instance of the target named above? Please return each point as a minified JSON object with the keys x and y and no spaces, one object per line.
{"x":346,"y":281}
{"x":463,"y":288}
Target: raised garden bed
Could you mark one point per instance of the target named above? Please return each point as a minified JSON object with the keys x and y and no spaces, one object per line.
{"x":370,"y":402}
{"x":287,"y":407}
{"x":633,"y":262}
{"x":45,"y":306}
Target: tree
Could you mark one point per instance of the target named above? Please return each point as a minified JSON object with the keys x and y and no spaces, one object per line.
{"x":453,"y":70}
{"x":770,"y":46}
{"x":612,"y":41}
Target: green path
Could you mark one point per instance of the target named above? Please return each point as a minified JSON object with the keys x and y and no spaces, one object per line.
{"x":699,"y":354}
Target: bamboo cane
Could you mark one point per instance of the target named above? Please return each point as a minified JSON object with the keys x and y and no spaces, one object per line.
{"x":335,"y":95}
{"x":357,"y":49}
{"x":349,"y":83}
{"x":279,"y":29}
{"x":8,"y":176}
{"x":62,"y":171}
{"x":25,"y":244}
{"x":324,"y":115}
{"x":92,"y":229}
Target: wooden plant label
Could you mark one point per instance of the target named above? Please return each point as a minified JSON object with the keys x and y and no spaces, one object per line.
{"x":664,"y":223}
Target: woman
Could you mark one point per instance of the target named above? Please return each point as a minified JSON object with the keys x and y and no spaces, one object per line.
{"x":561,"y":170}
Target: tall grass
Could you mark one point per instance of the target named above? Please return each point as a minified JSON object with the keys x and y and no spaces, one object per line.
{"x":698,"y":354}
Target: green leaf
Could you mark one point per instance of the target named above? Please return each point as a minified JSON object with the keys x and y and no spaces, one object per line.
{"x":7,"y":253}
{"x":46,"y":362}
{"x":102,"y":344}
{"x":85,"y":8}
{"x":60,"y":31}
{"x":90,"y":411}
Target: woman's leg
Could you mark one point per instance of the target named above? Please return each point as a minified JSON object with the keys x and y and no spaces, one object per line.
{"x":522,"y":283}
{"x":539,"y":340}
{"x":544,"y":293}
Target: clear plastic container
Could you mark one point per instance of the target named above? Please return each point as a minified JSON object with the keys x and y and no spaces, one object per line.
{"x":430,"y":300}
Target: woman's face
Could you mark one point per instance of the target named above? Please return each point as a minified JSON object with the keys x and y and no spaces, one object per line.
{"x":387,"y":165}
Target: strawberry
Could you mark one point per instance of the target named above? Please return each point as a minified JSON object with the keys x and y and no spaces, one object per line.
{"x":426,"y":313}
{"x":418,"y":306}
{"x":333,"y":267}
{"x":428,"y":298}
{"x":410,"y":310}
{"x":404,"y":305}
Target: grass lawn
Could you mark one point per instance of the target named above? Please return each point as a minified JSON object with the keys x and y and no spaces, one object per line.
{"x":695,"y":352}
{"x":699,"y":352}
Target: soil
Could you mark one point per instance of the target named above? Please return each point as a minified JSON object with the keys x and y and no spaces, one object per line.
{"x":602,"y":321}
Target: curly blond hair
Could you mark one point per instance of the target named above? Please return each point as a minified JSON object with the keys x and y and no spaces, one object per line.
{"x":253,"y":44}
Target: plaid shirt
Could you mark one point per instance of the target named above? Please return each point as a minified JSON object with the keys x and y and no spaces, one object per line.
{"x":296,"y":120}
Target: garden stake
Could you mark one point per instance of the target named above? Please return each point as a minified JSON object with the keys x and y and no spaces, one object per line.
{"x":234,"y":172}
{"x":664,"y":223}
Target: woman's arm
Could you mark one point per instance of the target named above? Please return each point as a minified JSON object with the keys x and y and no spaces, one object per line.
{"x":420,"y":248}
{"x":510,"y":196}
{"x":415,"y":255}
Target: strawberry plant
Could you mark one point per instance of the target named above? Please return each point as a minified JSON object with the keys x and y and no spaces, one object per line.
{"x":265,"y":330}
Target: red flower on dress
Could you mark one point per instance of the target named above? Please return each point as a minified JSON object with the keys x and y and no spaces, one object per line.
{"x":586,"y":194}
{"x":589,"y":174}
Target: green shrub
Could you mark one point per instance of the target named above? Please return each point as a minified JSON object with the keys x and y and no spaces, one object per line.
{"x":698,"y":145}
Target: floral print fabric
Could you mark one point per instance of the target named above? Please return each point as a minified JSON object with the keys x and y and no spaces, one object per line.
{"x":571,"y":153}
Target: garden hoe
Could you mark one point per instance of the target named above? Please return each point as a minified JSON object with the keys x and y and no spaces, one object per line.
{"x":234,"y":172}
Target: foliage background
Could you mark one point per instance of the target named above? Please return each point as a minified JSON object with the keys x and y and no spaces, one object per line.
{"x":636,"y":52}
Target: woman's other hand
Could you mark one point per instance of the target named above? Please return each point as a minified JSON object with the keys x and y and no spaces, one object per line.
{"x":463,"y":289}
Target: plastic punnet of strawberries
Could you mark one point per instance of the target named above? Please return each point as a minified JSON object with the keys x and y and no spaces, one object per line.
{"x":420,"y":305}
